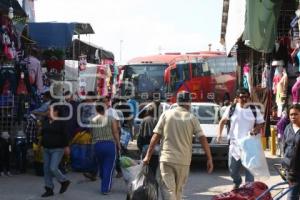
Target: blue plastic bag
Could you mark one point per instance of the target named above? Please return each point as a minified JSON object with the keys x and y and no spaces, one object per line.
{"x":125,"y":138}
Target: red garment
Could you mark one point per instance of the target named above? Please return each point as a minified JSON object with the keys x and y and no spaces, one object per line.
{"x":22,"y":89}
{"x":249,"y":191}
{"x":6,"y":88}
{"x":101,"y":74}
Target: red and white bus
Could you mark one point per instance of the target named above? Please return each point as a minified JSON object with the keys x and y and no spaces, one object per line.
{"x":144,"y":76}
{"x":209,"y":76}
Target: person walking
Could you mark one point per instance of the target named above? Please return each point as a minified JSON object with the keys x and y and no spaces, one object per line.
{"x":175,"y":130}
{"x":105,"y":138}
{"x":244,"y":119}
{"x":291,"y":155}
{"x":55,"y":143}
{"x":146,"y":131}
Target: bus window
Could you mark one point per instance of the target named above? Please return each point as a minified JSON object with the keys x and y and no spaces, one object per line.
{"x":231,"y":64}
{"x":197,"y":69}
{"x":183,"y":71}
{"x":206,"y":69}
{"x":174,"y":78}
{"x":186,"y":72}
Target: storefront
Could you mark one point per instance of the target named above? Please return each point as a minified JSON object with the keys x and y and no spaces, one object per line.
{"x":264,"y":37}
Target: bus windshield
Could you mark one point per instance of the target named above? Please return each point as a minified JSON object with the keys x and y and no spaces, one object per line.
{"x":146,"y":78}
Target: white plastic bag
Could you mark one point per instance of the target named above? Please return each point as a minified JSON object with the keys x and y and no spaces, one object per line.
{"x":253,"y":157}
{"x":130,"y":173}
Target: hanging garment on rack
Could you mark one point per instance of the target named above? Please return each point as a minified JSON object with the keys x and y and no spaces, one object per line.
{"x":4,"y":155}
{"x":265,"y":75}
{"x":24,"y":86}
{"x":294,"y":27}
{"x":296,"y":91}
{"x":282,"y":53}
{"x":246,"y":78}
{"x":22,"y":107}
{"x":31,"y":129}
{"x":35,"y":72}
{"x":101,"y":82}
{"x":8,"y":75}
{"x":277,"y":77}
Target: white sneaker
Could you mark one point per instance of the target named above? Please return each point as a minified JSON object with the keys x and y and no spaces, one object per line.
{"x":2,"y":174}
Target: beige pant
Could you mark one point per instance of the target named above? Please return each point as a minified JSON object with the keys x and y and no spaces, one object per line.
{"x":173,"y":178}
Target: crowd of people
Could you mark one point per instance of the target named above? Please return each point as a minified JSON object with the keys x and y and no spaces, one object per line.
{"x":164,"y":140}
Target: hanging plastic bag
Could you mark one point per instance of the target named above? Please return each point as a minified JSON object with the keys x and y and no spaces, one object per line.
{"x":125,"y":138}
{"x":130,"y":168}
{"x":253,"y":157}
{"x":144,"y":186}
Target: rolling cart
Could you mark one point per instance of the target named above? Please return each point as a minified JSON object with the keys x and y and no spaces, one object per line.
{"x":282,"y":187}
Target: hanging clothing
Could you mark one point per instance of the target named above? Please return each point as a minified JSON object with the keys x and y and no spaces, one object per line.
{"x":281,"y":93}
{"x":35,"y":72}
{"x":265,"y":75}
{"x":8,"y":77}
{"x":261,"y":16}
{"x":31,"y":129}
{"x":246,"y":78}
{"x":282,"y":53}
{"x":276,"y":78}
{"x":296,"y":91}
{"x":281,"y":88}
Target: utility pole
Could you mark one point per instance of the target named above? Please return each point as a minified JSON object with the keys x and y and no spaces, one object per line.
{"x":209,"y":47}
{"x":121,"y":42}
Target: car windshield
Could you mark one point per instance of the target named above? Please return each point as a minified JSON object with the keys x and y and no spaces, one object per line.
{"x":207,"y":114}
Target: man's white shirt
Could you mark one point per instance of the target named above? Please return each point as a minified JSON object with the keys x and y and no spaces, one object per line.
{"x":242,"y":122}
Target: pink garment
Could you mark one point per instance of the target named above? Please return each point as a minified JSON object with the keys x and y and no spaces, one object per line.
{"x":246,"y":68}
{"x":296,"y":91}
{"x":35,"y":72}
{"x":101,"y":82}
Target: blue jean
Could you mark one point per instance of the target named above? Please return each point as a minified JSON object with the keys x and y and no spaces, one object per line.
{"x":234,"y":169}
{"x":105,"y":152}
{"x":294,"y":194}
{"x":52,"y":158}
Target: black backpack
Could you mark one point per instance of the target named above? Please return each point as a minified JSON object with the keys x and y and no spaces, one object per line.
{"x":231,"y":111}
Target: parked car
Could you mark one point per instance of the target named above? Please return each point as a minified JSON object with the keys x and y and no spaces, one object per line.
{"x":209,"y":116}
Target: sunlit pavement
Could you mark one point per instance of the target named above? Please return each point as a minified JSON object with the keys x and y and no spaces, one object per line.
{"x":200,"y":185}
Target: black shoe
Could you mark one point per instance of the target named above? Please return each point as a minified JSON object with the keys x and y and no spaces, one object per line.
{"x":90,"y":176}
{"x":64,"y":186}
{"x":48,"y":193}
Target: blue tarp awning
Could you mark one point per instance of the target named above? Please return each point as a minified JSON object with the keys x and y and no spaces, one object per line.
{"x":56,"y":35}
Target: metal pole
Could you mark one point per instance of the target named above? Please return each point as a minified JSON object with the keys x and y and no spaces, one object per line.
{"x":121,"y":41}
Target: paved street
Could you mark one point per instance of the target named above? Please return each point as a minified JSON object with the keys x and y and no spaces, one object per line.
{"x":200,"y":185}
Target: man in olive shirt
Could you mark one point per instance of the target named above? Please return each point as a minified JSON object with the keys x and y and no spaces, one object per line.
{"x":175,"y":129}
